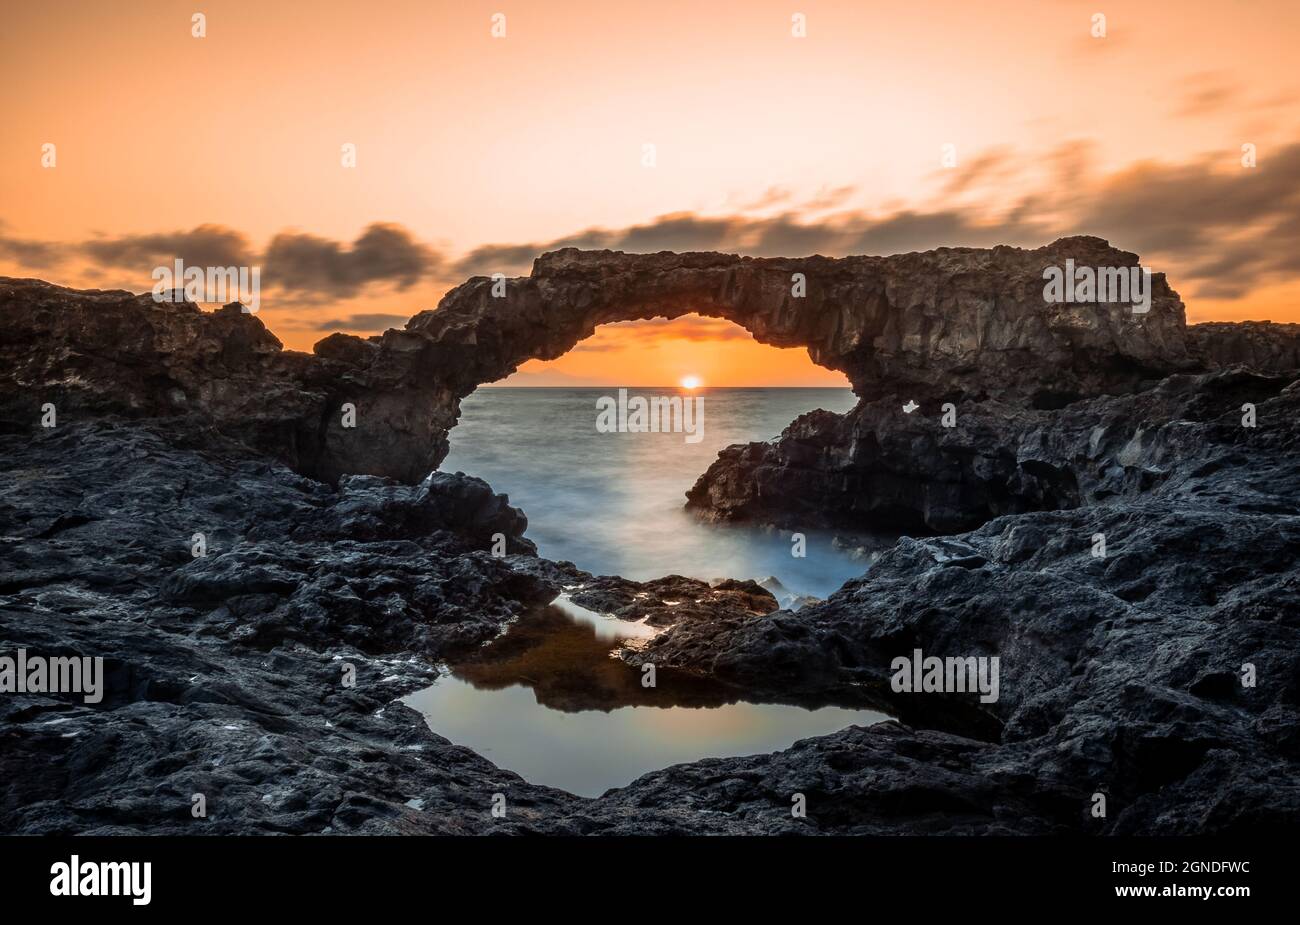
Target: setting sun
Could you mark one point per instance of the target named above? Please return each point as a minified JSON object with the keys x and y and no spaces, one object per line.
{"x":690,"y":382}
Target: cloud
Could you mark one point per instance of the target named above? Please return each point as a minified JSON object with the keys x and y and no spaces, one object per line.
{"x":1220,"y":230}
{"x":1229,"y":227}
{"x":679,"y":231}
{"x":989,"y":166}
{"x":916,"y":231}
{"x":205,"y":246}
{"x":511,"y":259}
{"x":828,"y":198}
{"x":35,"y":254}
{"x":1204,"y":94}
{"x":311,"y":265}
{"x":689,"y":327}
{"x":362,"y":322}
{"x":772,"y":196}
{"x":786,"y":236}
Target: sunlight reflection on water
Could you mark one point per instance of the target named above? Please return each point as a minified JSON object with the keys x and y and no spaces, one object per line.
{"x":612,"y":503}
{"x":547,"y":701}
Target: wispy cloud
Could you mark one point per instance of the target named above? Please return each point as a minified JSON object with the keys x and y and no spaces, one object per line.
{"x":1219,"y":229}
{"x":689,"y":327}
{"x":204,"y":246}
{"x":362,"y":322}
{"x":1206,"y":93}
{"x":37,"y":255}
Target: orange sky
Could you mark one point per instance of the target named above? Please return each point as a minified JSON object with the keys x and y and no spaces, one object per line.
{"x":483,"y":151}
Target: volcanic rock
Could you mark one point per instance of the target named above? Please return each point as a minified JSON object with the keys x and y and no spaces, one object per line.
{"x":1101,"y":517}
{"x":964,"y":321}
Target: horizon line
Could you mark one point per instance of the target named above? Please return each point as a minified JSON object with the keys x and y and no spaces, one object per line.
{"x":698,"y":388}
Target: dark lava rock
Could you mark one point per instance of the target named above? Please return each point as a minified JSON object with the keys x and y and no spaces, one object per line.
{"x":674,"y":599}
{"x":961,"y":320}
{"x":1121,"y":673}
{"x":92,"y":353}
{"x":265,"y":675}
{"x":881,"y":468}
{"x":225,"y":672}
{"x":1262,"y":346}
{"x":952,"y":318}
{"x":225,"y":675}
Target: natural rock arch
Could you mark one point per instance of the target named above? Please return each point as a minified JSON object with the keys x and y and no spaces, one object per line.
{"x":952,"y":321}
{"x":961,"y":320}
{"x":903,"y":317}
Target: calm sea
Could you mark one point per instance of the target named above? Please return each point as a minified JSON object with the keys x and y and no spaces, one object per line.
{"x":612,"y":502}
{"x":547,"y":699}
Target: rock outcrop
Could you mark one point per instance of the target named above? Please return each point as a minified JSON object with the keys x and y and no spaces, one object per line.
{"x":923,"y":459}
{"x":1261,"y":346}
{"x":952,"y":318}
{"x":949,"y":322}
{"x":227,"y":675}
{"x":332,"y":552}
{"x":1149,"y":636}
{"x":943,"y":468}
{"x":93,"y":353}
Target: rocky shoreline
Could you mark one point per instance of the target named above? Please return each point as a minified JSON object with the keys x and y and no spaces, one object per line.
{"x":331,"y":549}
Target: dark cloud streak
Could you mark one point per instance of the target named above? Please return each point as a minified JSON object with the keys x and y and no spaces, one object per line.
{"x":362,"y":322}
{"x":1216,"y":226}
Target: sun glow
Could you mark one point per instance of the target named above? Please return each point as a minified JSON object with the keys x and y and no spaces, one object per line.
{"x":690,"y":382}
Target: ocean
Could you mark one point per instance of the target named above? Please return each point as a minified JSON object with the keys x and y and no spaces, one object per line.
{"x":611,"y":503}
{"x":549,"y":699}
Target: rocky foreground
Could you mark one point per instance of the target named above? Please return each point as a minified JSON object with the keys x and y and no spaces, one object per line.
{"x":329,"y":551}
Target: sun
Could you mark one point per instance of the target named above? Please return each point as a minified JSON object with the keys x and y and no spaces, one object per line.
{"x":690,"y":382}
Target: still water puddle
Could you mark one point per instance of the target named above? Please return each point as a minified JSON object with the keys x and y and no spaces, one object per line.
{"x":547,"y":701}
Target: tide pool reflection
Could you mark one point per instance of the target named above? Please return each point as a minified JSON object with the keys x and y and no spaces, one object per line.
{"x":549,"y":702}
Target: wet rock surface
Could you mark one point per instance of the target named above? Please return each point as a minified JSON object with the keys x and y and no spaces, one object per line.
{"x":666,"y":601}
{"x":1124,"y":669}
{"x":225,"y":673}
{"x":942,"y":469}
